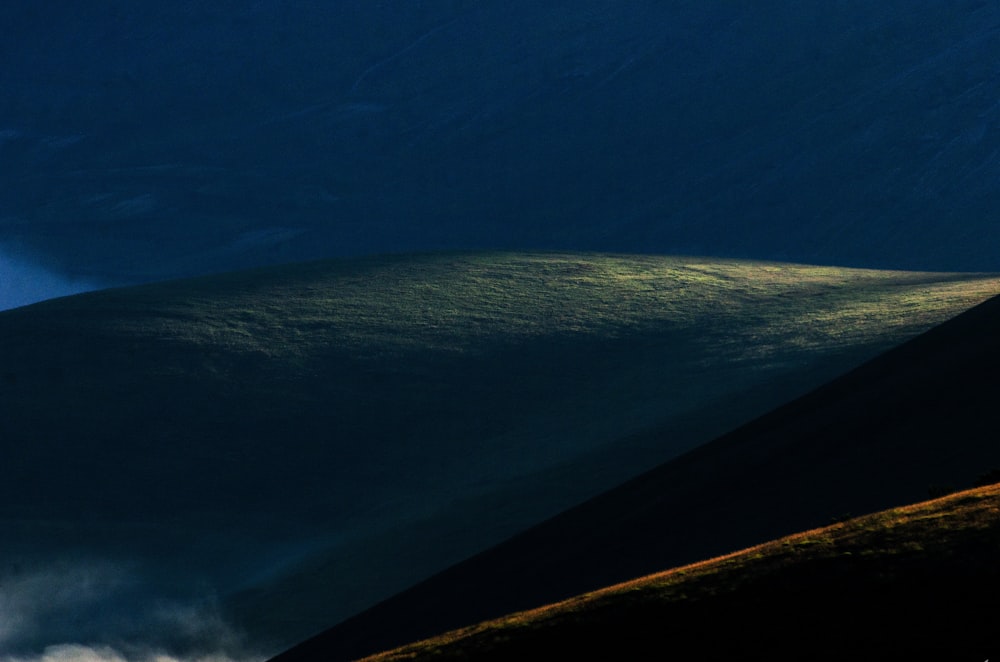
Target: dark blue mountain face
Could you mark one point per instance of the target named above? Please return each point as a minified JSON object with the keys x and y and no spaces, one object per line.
{"x":156,"y":139}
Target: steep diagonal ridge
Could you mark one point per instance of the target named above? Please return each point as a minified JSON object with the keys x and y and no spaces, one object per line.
{"x":914,"y":582}
{"x":918,"y":417}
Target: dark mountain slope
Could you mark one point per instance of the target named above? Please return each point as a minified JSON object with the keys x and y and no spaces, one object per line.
{"x":917,"y":417}
{"x":917,"y":582}
{"x":156,"y":139}
{"x":219,"y":435}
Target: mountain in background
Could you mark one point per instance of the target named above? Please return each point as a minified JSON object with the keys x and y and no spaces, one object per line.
{"x":142,"y":141}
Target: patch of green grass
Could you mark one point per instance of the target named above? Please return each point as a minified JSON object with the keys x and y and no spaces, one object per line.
{"x":381,"y":309}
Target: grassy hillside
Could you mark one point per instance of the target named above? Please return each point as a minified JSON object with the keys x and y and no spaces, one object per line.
{"x":321,"y":436}
{"x":915,"y":419}
{"x":917,"y":582}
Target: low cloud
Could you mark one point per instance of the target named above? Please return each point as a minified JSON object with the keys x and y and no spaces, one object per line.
{"x":62,"y":594}
{"x":23,"y":282}
{"x":118,"y":614}
{"x":72,"y":653}
{"x":80,"y":653}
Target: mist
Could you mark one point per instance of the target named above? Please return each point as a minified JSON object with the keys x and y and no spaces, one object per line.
{"x":23,"y":282}
{"x":106,"y":611}
{"x":81,"y":653}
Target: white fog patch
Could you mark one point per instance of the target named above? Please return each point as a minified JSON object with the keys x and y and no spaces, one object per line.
{"x":22,"y":282}
{"x":71,"y":653}
{"x":28,"y":600}
{"x":81,"y":653}
{"x":102,"y":611}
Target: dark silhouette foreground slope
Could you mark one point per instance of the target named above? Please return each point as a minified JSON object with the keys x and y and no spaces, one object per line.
{"x":911,"y":583}
{"x":916,"y":418}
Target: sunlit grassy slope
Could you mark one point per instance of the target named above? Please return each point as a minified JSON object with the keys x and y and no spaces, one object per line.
{"x":381,"y":418}
{"x":917,"y":582}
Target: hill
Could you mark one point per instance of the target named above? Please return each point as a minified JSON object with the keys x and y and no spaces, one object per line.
{"x":916,"y":582}
{"x":914,"y":419}
{"x":159,"y":139}
{"x":227,"y":441}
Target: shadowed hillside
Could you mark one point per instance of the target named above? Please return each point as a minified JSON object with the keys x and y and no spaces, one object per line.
{"x":917,"y":418}
{"x":918,"y":582}
{"x":276,"y":439}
